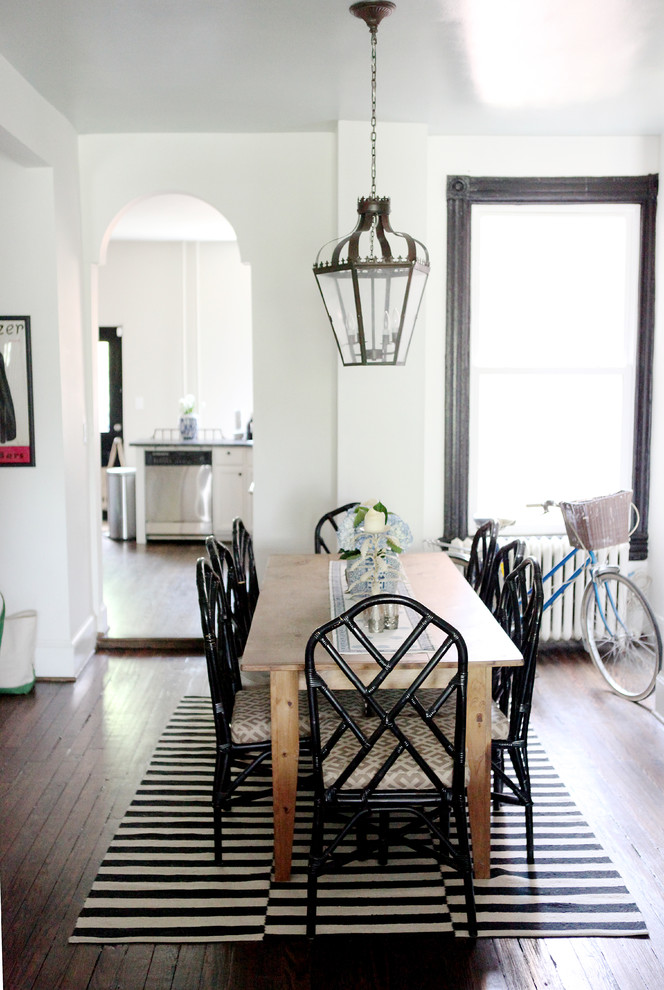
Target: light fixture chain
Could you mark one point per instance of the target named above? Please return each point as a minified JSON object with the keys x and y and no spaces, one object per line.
{"x":374,"y":39}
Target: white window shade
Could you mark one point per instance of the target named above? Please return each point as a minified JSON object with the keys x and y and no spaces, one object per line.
{"x":553,"y":343}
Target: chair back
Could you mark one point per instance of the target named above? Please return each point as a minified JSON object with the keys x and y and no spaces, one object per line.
{"x":327,"y":527}
{"x":482,"y":552}
{"x":245,"y":568}
{"x":361,"y":741}
{"x":219,"y":644}
{"x":221,"y":560}
{"x":520,"y":614}
{"x":505,"y":559}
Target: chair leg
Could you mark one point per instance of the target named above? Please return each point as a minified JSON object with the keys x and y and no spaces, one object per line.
{"x":530,"y":842}
{"x":312,"y":896}
{"x":362,"y":840}
{"x":383,"y":836}
{"x":463,"y":841}
{"x":216,"y":817}
{"x":444,"y":827}
{"x":471,"y":914}
{"x":520,"y":763}
{"x":497,"y":780}
{"x":222,"y":774}
{"x":315,"y":854}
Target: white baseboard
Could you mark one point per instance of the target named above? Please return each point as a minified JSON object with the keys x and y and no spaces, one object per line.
{"x":66,"y":659}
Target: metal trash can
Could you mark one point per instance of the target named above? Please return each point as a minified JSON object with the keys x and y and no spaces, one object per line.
{"x":122,"y":503}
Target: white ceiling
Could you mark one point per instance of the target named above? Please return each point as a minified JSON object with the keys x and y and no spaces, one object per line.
{"x":461,"y":66}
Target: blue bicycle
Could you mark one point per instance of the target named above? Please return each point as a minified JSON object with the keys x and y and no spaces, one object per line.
{"x":619,"y":628}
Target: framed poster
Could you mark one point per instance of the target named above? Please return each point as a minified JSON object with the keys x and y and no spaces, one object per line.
{"x":17,"y":432}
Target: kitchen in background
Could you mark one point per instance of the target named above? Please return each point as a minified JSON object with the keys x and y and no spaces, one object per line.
{"x":180,"y":293}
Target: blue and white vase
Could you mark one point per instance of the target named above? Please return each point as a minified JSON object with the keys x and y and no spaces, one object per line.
{"x":188,"y":426}
{"x":369,"y":575}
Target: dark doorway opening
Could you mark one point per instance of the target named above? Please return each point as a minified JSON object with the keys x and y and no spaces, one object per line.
{"x":110,"y":389}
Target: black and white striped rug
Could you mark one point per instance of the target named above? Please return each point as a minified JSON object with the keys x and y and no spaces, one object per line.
{"x":158,"y":881}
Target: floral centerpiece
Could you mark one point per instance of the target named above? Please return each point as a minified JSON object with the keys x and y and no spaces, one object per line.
{"x":371,"y":539}
{"x":188,"y":418}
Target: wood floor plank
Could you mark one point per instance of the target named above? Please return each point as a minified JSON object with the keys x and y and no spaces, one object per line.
{"x":78,"y":973}
{"x":108,"y":966}
{"x":134,"y":967}
{"x":216,"y":965}
{"x":135,"y":575}
{"x":189,"y":968}
{"x":162,"y":967}
{"x":581,"y":963}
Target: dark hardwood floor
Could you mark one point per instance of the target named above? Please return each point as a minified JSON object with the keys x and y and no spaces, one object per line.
{"x":73,"y":754}
{"x":150,"y":594}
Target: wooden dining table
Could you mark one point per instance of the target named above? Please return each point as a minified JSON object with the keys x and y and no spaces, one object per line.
{"x":295,"y":600}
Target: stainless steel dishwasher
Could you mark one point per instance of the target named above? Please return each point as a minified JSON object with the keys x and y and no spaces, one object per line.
{"x":178,"y":493}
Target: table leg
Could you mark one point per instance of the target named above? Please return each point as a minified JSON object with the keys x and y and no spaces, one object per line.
{"x":285,"y":753}
{"x":478,"y":746}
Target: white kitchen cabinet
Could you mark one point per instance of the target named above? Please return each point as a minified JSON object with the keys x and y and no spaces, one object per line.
{"x":232,"y":476}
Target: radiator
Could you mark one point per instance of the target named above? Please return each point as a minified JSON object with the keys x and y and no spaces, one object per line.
{"x":561,"y":622}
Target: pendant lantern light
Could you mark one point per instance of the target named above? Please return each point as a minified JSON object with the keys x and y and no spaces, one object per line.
{"x":372,"y":280}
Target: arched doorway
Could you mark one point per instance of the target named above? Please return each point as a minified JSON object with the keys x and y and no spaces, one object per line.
{"x":174,"y":284}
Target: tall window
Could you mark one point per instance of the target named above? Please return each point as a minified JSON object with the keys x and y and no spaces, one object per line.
{"x":549,"y":347}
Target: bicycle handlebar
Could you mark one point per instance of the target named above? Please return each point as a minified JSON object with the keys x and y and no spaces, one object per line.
{"x":549,"y":504}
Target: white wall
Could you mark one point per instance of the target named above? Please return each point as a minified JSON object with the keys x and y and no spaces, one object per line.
{"x":278,"y":192}
{"x":324,"y":433}
{"x":185,"y":313}
{"x":45,"y":534}
{"x":382,"y":412}
{"x":224,"y":371}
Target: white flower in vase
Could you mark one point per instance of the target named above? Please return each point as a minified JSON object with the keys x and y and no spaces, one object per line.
{"x":187,"y":404}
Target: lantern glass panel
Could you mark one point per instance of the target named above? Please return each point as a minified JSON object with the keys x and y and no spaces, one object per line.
{"x":382,"y":290}
{"x":338,"y":294}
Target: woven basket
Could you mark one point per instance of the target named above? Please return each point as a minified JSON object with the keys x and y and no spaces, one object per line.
{"x":598,"y":522}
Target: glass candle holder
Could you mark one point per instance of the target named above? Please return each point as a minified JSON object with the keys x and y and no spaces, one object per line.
{"x":376,"y":620}
{"x":391,"y":611}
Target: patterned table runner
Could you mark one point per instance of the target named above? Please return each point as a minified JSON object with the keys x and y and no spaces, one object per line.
{"x":387,"y":641}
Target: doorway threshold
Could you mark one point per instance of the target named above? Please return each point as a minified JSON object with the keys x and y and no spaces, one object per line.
{"x":182,"y":645}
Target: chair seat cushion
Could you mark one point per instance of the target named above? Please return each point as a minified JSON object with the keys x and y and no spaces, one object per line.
{"x":252,"y":721}
{"x":500,"y":725}
{"x":405,"y":774}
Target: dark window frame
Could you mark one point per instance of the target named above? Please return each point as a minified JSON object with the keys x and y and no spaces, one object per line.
{"x":462,"y":193}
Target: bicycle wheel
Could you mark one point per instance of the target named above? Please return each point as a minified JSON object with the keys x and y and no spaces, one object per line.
{"x":621,"y":635}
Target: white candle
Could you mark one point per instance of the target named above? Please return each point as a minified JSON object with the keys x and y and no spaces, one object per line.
{"x":374,"y":522}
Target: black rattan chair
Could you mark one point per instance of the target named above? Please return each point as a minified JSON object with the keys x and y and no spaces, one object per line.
{"x":482,"y":552}
{"x":400,"y":769}
{"x":505,"y":559}
{"x":325,"y":524}
{"x":222,"y":562}
{"x":245,"y":569}
{"x":242,"y":719}
{"x":476,"y":561}
{"x":520,"y":614}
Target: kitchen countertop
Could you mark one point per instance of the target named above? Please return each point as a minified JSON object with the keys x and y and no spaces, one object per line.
{"x":191,"y":443}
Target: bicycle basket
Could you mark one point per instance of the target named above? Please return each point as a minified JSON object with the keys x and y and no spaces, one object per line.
{"x":598,"y":522}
